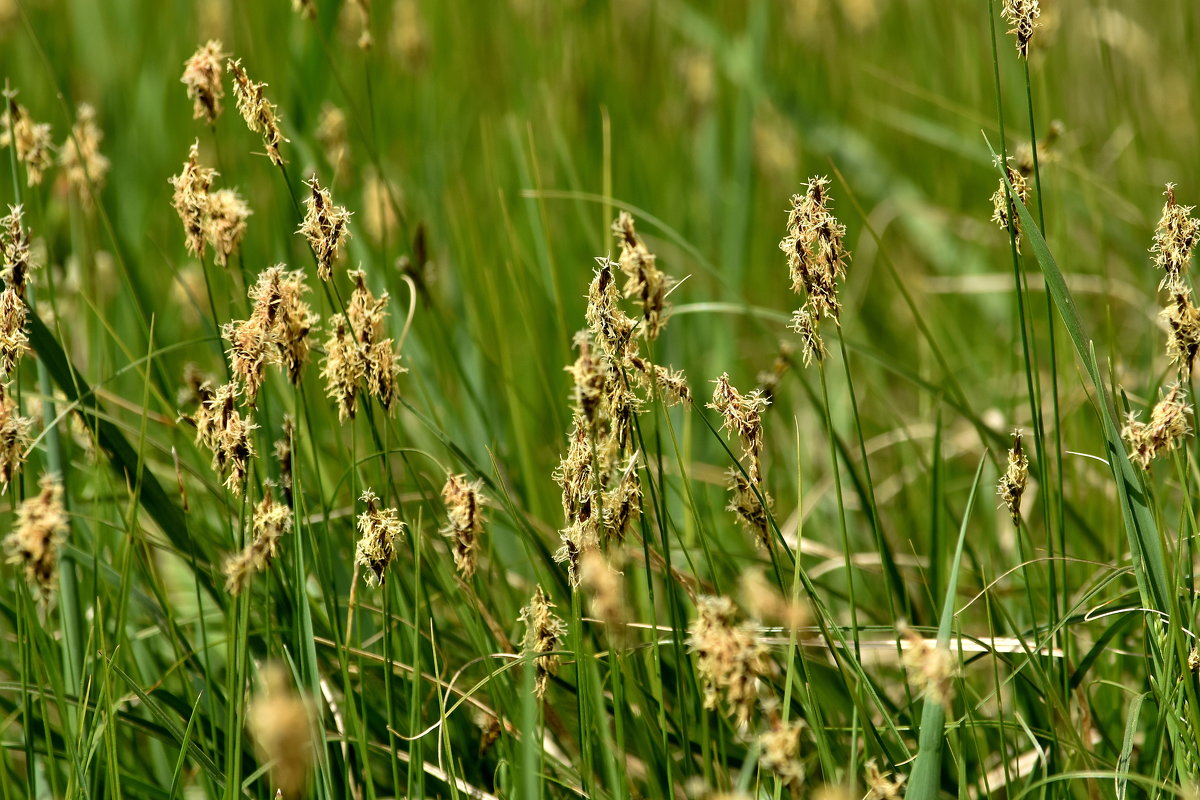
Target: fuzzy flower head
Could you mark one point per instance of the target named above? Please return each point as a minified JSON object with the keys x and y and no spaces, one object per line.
{"x":281,"y":722}
{"x":781,"y":752}
{"x":588,"y":379}
{"x":1174,"y":241}
{"x":14,"y":247}
{"x":932,"y":668}
{"x":258,"y":112}
{"x":1012,"y":483}
{"x":644,"y":280}
{"x":605,"y":589}
{"x":1022,"y":15}
{"x":202,"y":75}
{"x":1166,"y":430}
{"x":191,"y":199}
{"x":741,"y":414}
{"x":1182,"y":319}
{"x":815,"y":249}
{"x":277,"y":331}
{"x":32,"y":140}
{"x":1004,"y":207}
{"x":544,"y":633}
{"x":730,"y":659}
{"x":464,"y":501}
{"x":379,"y":529}
{"x":14,"y":437}
{"x":84,"y":166}
{"x":325,"y":226}
{"x":883,"y":785}
{"x":807,"y":325}
{"x":40,"y":530}
{"x":611,"y":327}
{"x":224,"y":223}
{"x":751,"y":503}
{"x":271,"y":521}
{"x":221,"y":428}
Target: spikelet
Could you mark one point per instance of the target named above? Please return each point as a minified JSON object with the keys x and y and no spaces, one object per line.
{"x":742,"y":415}
{"x":379,"y":529}
{"x":464,"y":501}
{"x":645,"y":280}
{"x":333,"y":135}
{"x":1174,"y":241}
{"x":605,"y":588}
{"x":812,"y":345}
{"x":224,"y":223}
{"x":32,"y":140}
{"x":1022,"y":15}
{"x":270,"y":522}
{"x":14,"y":246}
{"x":221,"y":428}
{"x":344,"y":368}
{"x":671,"y":383}
{"x":1012,"y":483}
{"x":588,"y":380}
{"x":191,"y":199}
{"x":325,"y":226}
{"x":40,"y":530}
{"x":882,"y":785}
{"x":14,"y":437}
{"x":623,"y":502}
{"x":1182,"y":319}
{"x":258,"y":112}
{"x":251,"y":345}
{"x":781,"y":752}
{"x":544,"y":632}
{"x":84,"y":166}
{"x":357,"y":356}
{"x":280,"y":722}
{"x":815,"y":251}
{"x":1004,"y":211}
{"x":277,"y":331}
{"x":611,"y":327}
{"x":729,"y":657}
{"x":1166,"y":430}
{"x":933,"y":668}
{"x":752,"y":510}
{"x":202,"y":75}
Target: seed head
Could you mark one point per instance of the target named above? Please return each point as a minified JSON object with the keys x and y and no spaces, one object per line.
{"x":933,"y":668}
{"x":1183,"y":332}
{"x":277,"y":331}
{"x":41,"y":528}
{"x":645,"y":280}
{"x":357,"y":357}
{"x":1022,"y":15}
{"x":221,"y":428}
{"x":225,"y":223}
{"x":623,"y":502}
{"x":742,"y":415}
{"x":1012,"y":483}
{"x":806,"y":323}
{"x":332,"y":134}
{"x":325,"y":226}
{"x":14,"y":246}
{"x":14,"y":437}
{"x":271,"y":521}
{"x":610,"y":326}
{"x":1174,"y":241}
{"x":672,"y":383}
{"x":729,"y":657}
{"x":605,"y":588}
{"x":344,"y":367}
{"x":285,"y":456}
{"x":815,"y":251}
{"x":464,"y":502}
{"x":258,"y":112}
{"x":191,"y":199}
{"x":202,"y":75}
{"x":1004,"y":209}
{"x":588,"y":378}
{"x":83,"y":164}
{"x":1167,"y":429}
{"x":781,"y":752}
{"x":544,"y":632}
{"x":32,"y":140}
{"x":881,"y":785}
{"x":745,"y":502}
{"x":280,"y":722}
{"x":379,"y":529}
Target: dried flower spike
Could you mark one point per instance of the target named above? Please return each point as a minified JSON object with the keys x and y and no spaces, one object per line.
{"x":882,"y":785}
{"x":1012,"y":483}
{"x":14,"y":437}
{"x":271,"y":521}
{"x":464,"y":502}
{"x":645,"y":280}
{"x":379,"y":530}
{"x":191,"y":199}
{"x":280,"y":722}
{"x":1004,"y":209}
{"x":202,"y":76}
{"x":544,"y":633}
{"x":729,"y":657}
{"x":815,"y":250}
{"x":258,"y":112}
{"x":40,"y":530}
{"x":14,"y":247}
{"x":781,"y":752}
{"x":221,"y":428}
{"x":1183,"y":332}
{"x":1166,"y":430}
{"x":805,"y":323}
{"x":224,"y":223}
{"x":325,"y":226}
{"x":1174,"y":241}
{"x":742,"y":415}
{"x":84,"y":166}
{"x":1022,"y":15}
{"x":32,"y":140}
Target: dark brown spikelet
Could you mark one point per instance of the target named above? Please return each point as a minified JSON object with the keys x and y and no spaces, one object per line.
{"x":544,"y":633}
{"x":1012,"y":483}
{"x":1004,"y":208}
{"x":464,"y":501}
{"x":1022,"y":15}
{"x":1182,"y":319}
{"x":258,"y":112}
{"x":40,"y":530}
{"x":325,"y":226}
{"x":202,"y":75}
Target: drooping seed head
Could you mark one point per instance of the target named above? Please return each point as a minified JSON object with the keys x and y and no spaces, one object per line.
{"x":1166,"y":430}
{"x":202,"y":75}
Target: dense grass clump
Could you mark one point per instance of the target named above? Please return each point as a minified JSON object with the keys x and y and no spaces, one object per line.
{"x":631,"y":399}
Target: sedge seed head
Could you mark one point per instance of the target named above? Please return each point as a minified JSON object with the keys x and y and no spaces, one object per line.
{"x":325,"y":226}
{"x":730,"y":659}
{"x":33,"y":140}
{"x":379,"y":530}
{"x":14,"y":437}
{"x":544,"y":633}
{"x":1022,"y":16}
{"x":256,"y":110}
{"x":190,"y":199}
{"x":464,"y":501}
{"x":1011,"y":487}
{"x":280,"y":721}
{"x":40,"y":530}
{"x":202,"y":75}
{"x":84,"y":166}
{"x":1175,"y":240}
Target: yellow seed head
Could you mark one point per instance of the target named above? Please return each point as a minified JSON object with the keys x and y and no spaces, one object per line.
{"x":271,"y":521}
{"x":544,"y":632}
{"x":1004,"y":210}
{"x":40,"y":530}
{"x":729,"y":657}
{"x":191,"y":199}
{"x":464,"y":501}
{"x":1166,"y":430}
{"x":224,"y":223}
{"x":1174,"y":241}
{"x":815,"y":249}
{"x":325,"y":226}
{"x":1022,"y":15}
{"x":14,"y":437}
{"x":645,"y":280}
{"x":258,"y":112}
{"x":1012,"y":483}
{"x":84,"y":166}
{"x":202,"y":75}
{"x":379,"y":529}
{"x":32,"y":140}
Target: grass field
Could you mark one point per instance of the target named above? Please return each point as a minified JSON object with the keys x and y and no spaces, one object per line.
{"x":630,"y":399}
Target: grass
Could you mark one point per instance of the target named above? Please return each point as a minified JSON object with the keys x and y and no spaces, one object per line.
{"x":487,"y":149}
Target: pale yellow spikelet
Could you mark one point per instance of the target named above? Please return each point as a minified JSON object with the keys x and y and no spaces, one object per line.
{"x":281,"y":721}
{"x":623,"y":501}
{"x":610,"y":326}
{"x":1175,"y":240}
{"x":271,"y":521}
{"x":1182,"y":319}
{"x":224,"y":223}
{"x":671,"y":384}
{"x":781,"y":752}
{"x":33,"y":140}
{"x":644,"y":280}
{"x":367,"y":316}
{"x":730,"y":659}
{"x":14,"y":437}
{"x":251,"y":346}
{"x":343,"y":368}
{"x":1166,"y":430}
{"x":325,"y":226}
{"x":932,"y":668}
{"x":883,"y":785}
{"x":333,"y":134}
{"x":84,"y":166}
{"x":39,"y":532}
{"x":379,"y":530}
{"x":1004,"y":208}
{"x":464,"y":501}
{"x":577,"y":539}
{"x":815,"y":249}
{"x":280,"y":308}
{"x":17,"y":266}
{"x":1011,"y":487}
{"x":742,"y":415}
{"x":191,"y":199}
{"x":202,"y":74}
{"x":221,"y":428}
{"x":1022,"y":15}
{"x":256,"y":110}
{"x":544,"y":633}
{"x":807,"y":325}
{"x":605,"y":590}
{"x":588,"y":378}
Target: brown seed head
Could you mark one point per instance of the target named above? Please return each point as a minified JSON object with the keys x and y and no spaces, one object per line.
{"x":1022,"y":15}
{"x":271,"y":521}
{"x":1004,"y":209}
{"x":14,"y":437}
{"x":379,"y":530}
{"x":1012,"y":483}
{"x":1182,"y":319}
{"x":325,"y":226}
{"x":202,"y":75}
{"x":191,"y":199}
{"x":611,"y":327}
{"x":84,"y":166}
{"x":224,"y":223}
{"x":1174,"y":241}
{"x":221,"y":428}
{"x":40,"y":530}
{"x":464,"y":502}
{"x":258,"y":112}
{"x":33,"y":142}
{"x":816,"y":254}
{"x":746,"y":500}
{"x":544,"y":633}
{"x":742,"y":414}
{"x":645,"y":280}
{"x":1167,"y":429}
{"x":729,"y":657}
{"x":280,"y":722}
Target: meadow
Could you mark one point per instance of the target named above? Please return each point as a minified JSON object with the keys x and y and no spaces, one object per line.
{"x":629,"y":399}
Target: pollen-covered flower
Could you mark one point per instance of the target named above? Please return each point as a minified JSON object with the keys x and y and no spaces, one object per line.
{"x":258,"y":112}
{"x":379,"y":529}
{"x":80,"y":156}
{"x":781,"y":752}
{"x":610,"y":326}
{"x":281,"y":724}
{"x":645,"y":280}
{"x":224,"y":223}
{"x":14,"y":247}
{"x":1004,"y":207}
{"x":344,"y":367}
{"x":270,"y":522}
{"x":883,"y":785}
{"x":730,"y":659}
{"x":672,"y":383}
{"x":931,"y":667}
{"x":1166,"y":430}
{"x":464,"y":502}
{"x":812,"y":345}
{"x":1183,"y":332}
{"x":1012,"y":483}
{"x":14,"y":437}
{"x":623,"y":502}
{"x":32,"y":140}
{"x":588,"y":377}
{"x":325,"y":226}
{"x":40,"y":530}
{"x":544,"y":632}
{"x":1174,"y":241}
{"x":222,"y":429}
{"x":750,"y":501}
{"x":191,"y":199}
{"x":742,"y":415}
{"x":1022,"y":15}
{"x":816,"y":254}
{"x":202,"y":75}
